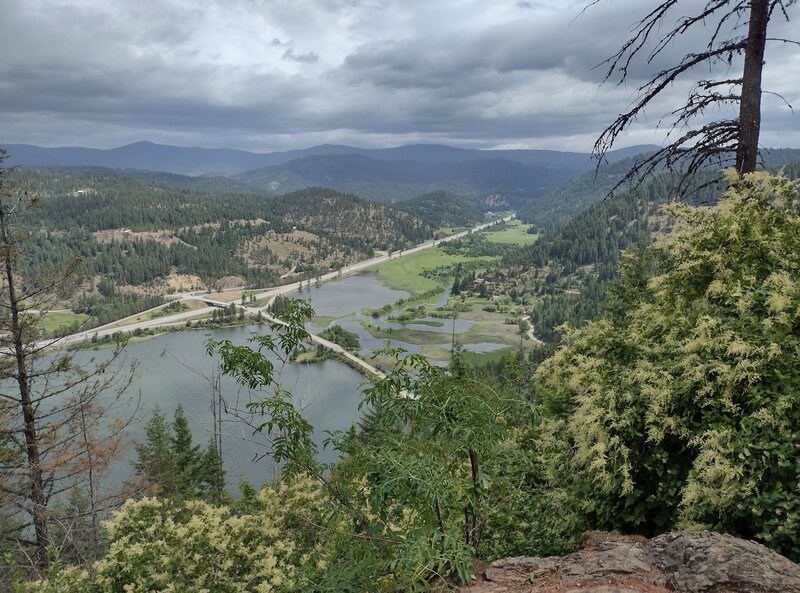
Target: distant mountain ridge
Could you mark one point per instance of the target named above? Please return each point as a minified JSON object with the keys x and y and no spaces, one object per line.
{"x":390,"y":180}
{"x":146,"y":156}
{"x":224,"y":161}
{"x":564,"y":203}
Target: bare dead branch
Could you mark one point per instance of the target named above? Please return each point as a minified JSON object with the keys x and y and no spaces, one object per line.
{"x":687,"y":147}
{"x":781,"y":97}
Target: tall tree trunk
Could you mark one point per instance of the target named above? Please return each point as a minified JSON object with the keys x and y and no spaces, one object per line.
{"x":35,"y":475}
{"x":218,"y":442}
{"x":95,"y":543}
{"x":474,"y":537}
{"x":750,"y":104}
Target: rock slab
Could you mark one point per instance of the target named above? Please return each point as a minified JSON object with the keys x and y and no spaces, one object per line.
{"x":682,"y":562}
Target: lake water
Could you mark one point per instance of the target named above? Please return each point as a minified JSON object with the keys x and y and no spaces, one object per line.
{"x":347,"y":298}
{"x":174,"y":369}
{"x":338,"y":298}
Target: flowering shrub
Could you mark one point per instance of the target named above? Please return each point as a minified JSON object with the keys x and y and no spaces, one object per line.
{"x":200,"y":548}
{"x":681,"y":407}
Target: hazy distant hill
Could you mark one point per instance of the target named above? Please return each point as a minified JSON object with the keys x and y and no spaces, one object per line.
{"x":207,"y":183}
{"x":223,"y":161}
{"x":559,"y":206}
{"x":140,"y":155}
{"x":382,"y":174}
{"x":448,"y":154}
{"x":389,"y":180}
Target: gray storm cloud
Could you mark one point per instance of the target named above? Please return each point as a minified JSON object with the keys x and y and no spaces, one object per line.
{"x":271,"y":75}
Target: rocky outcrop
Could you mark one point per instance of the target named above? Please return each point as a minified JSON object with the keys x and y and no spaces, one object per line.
{"x":701,"y":562}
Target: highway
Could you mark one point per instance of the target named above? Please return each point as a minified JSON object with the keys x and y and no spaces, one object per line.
{"x":352,"y":269}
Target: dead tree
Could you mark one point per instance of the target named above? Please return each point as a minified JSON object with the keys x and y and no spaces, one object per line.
{"x":55,"y":432}
{"x":738,"y":28}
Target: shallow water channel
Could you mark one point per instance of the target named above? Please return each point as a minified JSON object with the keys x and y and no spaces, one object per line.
{"x":329,"y":301}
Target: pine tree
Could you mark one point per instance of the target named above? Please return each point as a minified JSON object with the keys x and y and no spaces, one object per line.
{"x":186,"y":456}
{"x":55,"y":433}
{"x":155,"y":463}
{"x":695,"y":143}
{"x":211,"y":475}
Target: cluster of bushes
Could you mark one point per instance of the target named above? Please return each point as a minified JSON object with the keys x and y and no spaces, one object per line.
{"x":170,"y":309}
{"x":681,"y":406}
{"x":157,"y":545}
{"x":338,"y":335}
{"x":400,"y":302}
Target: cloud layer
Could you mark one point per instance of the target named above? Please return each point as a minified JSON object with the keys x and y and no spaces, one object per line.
{"x":275,"y":74}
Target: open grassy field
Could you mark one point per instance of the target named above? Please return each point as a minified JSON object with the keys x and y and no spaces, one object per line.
{"x":440,"y":353}
{"x":322,"y":320}
{"x":411,"y":336}
{"x":148,"y":315}
{"x":56,"y":320}
{"x":260,"y":303}
{"x":228,"y":296}
{"x":429,"y":322}
{"x":514,"y":233}
{"x":406,"y":272}
{"x":451,"y":230}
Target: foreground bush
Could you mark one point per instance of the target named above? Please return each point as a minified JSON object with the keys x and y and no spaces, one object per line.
{"x":681,"y":407}
{"x":197,"y":547}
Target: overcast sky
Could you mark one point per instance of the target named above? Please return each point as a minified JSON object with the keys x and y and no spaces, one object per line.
{"x":275,"y":74}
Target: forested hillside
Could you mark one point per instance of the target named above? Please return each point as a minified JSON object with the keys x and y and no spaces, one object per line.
{"x":345,"y":215}
{"x":570,"y":268}
{"x":205,"y":183}
{"x":137,"y":231}
{"x":561,"y":205}
{"x":442,"y":209}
